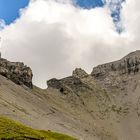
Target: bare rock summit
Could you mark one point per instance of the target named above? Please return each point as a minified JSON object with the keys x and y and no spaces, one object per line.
{"x":16,"y":72}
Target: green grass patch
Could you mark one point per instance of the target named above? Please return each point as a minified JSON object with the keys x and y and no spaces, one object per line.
{"x":11,"y":130}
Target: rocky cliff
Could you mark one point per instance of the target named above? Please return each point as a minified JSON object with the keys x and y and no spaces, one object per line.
{"x":130,"y":64}
{"x":127,"y":66}
{"x":16,"y":72}
{"x":119,"y":74}
{"x":70,"y":84}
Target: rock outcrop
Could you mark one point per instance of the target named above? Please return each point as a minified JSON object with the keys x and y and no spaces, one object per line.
{"x":80,"y":73}
{"x":127,"y":65}
{"x":70,"y":84}
{"x":67,"y":85}
{"x":16,"y":72}
{"x":113,"y":74}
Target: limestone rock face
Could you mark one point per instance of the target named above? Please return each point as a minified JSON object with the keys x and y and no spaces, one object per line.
{"x":16,"y":72}
{"x":120,"y":79}
{"x":80,"y":73}
{"x":68,"y":85}
{"x":127,"y":65}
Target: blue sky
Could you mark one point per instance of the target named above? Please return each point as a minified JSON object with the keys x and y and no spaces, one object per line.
{"x":89,"y":3}
{"x":9,"y":9}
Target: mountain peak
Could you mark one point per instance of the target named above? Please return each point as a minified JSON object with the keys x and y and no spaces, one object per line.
{"x":16,"y":72}
{"x":80,"y":73}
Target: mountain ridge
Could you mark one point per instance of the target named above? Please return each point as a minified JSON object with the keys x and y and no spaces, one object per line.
{"x":103,"y":105}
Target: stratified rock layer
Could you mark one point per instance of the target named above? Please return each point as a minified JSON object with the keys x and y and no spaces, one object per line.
{"x":127,"y":65}
{"x":16,"y":72}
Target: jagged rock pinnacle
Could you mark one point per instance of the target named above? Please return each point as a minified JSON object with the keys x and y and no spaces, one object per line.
{"x":80,"y":73}
{"x":16,"y":72}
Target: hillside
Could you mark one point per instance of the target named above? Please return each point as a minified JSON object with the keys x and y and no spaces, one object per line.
{"x":103,"y":105}
{"x":13,"y":130}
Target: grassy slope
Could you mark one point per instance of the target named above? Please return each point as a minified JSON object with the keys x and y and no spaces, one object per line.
{"x":10,"y":129}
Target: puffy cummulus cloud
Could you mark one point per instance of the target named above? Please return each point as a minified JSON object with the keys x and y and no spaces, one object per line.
{"x":53,"y":37}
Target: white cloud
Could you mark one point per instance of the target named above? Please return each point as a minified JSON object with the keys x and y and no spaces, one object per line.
{"x":54,"y":37}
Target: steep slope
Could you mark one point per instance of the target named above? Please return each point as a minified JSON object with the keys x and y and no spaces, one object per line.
{"x":13,"y":130}
{"x":110,"y":95}
{"x":46,"y":110}
{"x":32,"y":107}
{"x":103,"y":105}
{"x":121,"y":79}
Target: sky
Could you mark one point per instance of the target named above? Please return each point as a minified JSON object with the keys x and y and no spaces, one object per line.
{"x":9,"y":9}
{"x":54,"y":37}
{"x":89,"y":3}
